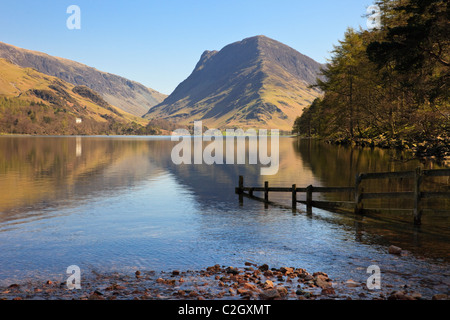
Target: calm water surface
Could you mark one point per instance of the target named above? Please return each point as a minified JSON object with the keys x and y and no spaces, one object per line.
{"x":112,"y":204}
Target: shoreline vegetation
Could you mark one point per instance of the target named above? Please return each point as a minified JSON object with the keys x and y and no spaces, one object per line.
{"x":388,"y":87}
{"x":251,"y":282}
{"x":437,"y":150}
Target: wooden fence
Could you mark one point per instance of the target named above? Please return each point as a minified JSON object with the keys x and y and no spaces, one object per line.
{"x":357,"y":206}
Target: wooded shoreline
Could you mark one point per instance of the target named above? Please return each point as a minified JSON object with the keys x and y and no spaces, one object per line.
{"x":388,"y":87}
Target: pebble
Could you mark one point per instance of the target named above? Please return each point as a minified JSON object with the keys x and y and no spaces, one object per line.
{"x":352,"y":284}
{"x":440,"y":296}
{"x":282,"y":291}
{"x":269,"y":294}
{"x":264,"y":267}
{"x":286,"y":270}
{"x":416,"y":295}
{"x":395,"y":250}
{"x":193,"y":294}
{"x":328,"y":291}
{"x":268,"y":273}
{"x":232,"y":270}
{"x":95,"y":297}
{"x":250,"y":286}
{"x":242,"y":291}
{"x":322,"y":281}
{"x":400,"y":295}
{"x":308,"y":277}
{"x":268,"y":284}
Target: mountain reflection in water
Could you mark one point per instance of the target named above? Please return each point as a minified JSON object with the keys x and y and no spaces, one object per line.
{"x":115,"y":203}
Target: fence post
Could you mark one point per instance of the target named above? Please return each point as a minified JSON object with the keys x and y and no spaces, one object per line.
{"x":309,"y":191}
{"x":358,"y":194}
{"x":417,"y":211}
{"x":266,"y":191}
{"x":240,"y":186}
{"x":240,"y":190}
{"x":294,"y":197}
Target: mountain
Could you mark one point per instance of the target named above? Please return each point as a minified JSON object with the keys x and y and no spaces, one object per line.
{"x":125,"y":94}
{"x":32,"y":102}
{"x":257,"y":82}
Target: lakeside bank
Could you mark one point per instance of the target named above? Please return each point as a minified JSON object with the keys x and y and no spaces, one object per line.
{"x":251,"y":282}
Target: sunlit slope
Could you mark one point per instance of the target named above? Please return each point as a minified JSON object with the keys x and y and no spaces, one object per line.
{"x":35,"y":103}
{"x":125,"y":94}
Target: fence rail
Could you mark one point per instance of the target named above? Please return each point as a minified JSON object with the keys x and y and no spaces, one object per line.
{"x":416,"y":195}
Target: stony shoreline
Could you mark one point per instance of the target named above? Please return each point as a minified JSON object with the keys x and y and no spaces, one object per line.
{"x":251,"y":282}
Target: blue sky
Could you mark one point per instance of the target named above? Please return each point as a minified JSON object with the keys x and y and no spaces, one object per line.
{"x":158,"y":43}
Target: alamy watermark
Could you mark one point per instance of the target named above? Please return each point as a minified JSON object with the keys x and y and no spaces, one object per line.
{"x":74,"y":280}
{"x":219,"y":151}
{"x":374,"y":17}
{"x":374,"y":281}
{"x":73,"y":22}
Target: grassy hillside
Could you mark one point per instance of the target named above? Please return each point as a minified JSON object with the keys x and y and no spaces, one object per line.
{"x":34,"y":103}
{"x":130,"y":96}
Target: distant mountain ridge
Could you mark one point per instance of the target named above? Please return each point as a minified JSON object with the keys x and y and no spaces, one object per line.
{"x":32,"y":102}
{"x":125,"y":94}
{"x":257,"y":82}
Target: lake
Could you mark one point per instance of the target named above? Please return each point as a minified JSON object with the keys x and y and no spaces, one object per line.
{"x":119,"y":204}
